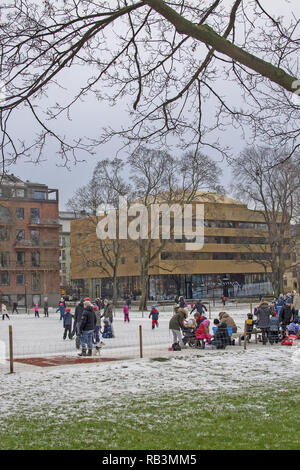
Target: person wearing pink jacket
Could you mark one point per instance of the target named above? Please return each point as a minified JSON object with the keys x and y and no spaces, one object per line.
{"x":126,"y":313}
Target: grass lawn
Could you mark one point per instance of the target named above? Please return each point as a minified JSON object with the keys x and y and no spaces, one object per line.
{"x":253,"y":418}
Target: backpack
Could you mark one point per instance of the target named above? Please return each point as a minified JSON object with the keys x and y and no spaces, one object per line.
{"x":176,"y":347}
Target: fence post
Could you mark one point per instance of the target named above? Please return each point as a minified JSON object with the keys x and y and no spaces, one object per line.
{"x":141,"y":341}
{"x":245,"y":336}
{"x":11,"y":353}
{"x":251,"y":308}
{"x":209,"y":310}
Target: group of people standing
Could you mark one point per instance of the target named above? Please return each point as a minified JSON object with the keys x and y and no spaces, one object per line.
{"x":87,"y":324}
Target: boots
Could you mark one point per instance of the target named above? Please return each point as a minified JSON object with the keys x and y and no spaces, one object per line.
{"x":83,"y":352}
{"x":89,"y":352}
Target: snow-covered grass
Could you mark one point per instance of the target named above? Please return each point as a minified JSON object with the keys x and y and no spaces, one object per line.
{"x":181,"y":400}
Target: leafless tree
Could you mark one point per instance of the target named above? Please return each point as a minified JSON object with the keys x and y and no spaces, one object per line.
{"x":102,"y":191}
{"x":154,"y":177}
{"x":274,"y":190}
{"x":168,"y":61}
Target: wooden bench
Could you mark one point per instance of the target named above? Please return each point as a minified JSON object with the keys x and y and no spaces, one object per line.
{"x":254,"y":332}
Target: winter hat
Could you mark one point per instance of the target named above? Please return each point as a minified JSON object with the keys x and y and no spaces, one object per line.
{"x":68,"y":310}
{"x":153,"y":307}
{"x":95,"y":307}
{"x":206,"y":322}
{"x":87,"y":299}
{"x":60,"y":304}
{"x":216,"y":321}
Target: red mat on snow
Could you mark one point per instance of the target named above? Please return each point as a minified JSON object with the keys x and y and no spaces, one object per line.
{"x":63,"y":360}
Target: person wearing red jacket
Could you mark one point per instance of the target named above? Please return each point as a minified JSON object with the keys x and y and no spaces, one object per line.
{"x":203,"y":331}
{"x":154,"y":314}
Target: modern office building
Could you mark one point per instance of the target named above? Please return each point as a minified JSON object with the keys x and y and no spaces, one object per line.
{"x":29,"y":242}
{"x":233,"y":261}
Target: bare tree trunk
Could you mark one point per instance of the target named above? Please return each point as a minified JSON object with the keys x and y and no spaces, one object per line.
{"x":144,"y":288}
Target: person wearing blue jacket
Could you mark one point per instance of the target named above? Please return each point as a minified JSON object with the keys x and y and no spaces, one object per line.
{"x":67,"y":323}
{"x":274,"y":329}
{"x":61,"y":309}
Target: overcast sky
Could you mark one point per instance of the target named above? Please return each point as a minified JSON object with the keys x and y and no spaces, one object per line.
{"x":93,"y":115}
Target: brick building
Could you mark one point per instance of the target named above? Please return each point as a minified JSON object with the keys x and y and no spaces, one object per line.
{"x":29,"y":242}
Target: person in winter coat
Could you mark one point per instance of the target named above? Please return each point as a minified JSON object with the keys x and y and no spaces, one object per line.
{"x":98,"y":325}
{"x":224,"y":317}
{"x":15,"y":308}
{"x":77,"y":318}
{"x":46,"y":307}
{"x":126,"y":313}
{"x":285,"y":316}
{"x":220,"y":338}
{"x":67,"y":323}
{"x":176,"y":323}
{"x":4,"y":311}
{"x":61,"y":309}
{"x":264,"y":313}
{"x":154,"y":314}
{"x":87,"y":327}
{"x":107,"y":312}
{"x":203,"y":331}
{"x":107,"y":315}
{"x":199,"y":307}
{"x":36,"y":311}
{"x":274,"y":329}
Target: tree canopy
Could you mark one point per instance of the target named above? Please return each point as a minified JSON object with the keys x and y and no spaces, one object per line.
{"x":168,"y":61}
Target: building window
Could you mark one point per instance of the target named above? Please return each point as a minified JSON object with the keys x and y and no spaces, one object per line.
{"x":35,"y":237}
{"x":40,"y":195}
{"x":20,"y":279}
{"x":20,"y":213}
{"x":34,"y":215}
{"x":20,"y":258}
{"x":4,"y":234}
{"x":224,"y":256}
{"x":20,"y":235}
{"x":4,"y":214}
{"x":18,"y":192}
{"x":136,"y":259}
{"x":123,"y":260}
{"x":79,"y":235}
{"x":4,"y":259}
{"x":63,"y":255}
{"x":35,"y":281}
{"x":35,"y":259}
{"x":4,"y":278}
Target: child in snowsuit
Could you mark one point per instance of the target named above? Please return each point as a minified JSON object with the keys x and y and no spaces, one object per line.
{"x":274,"y":328}
{"x":36,"y":311}
{"x":249,"y":326}
{"x":154,"y":314}
{"x":61,"y":310}
{"x":67,"y":323}
{"x":126,"y":313}
{"x":221,"y":337}
{"x":203,"y":331}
